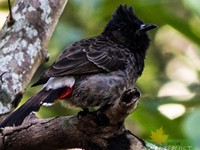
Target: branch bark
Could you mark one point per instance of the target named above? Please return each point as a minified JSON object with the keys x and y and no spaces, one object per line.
{"x":23,"y":46}
{"x":99,"y":130}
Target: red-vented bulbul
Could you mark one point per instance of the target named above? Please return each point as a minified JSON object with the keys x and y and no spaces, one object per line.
{"x":95,"y":71}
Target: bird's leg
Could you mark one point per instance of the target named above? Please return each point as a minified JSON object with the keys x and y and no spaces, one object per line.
{"x":129,"y":97}
{"x":83,"y":113}
{"x":102,"y":118}
{"x":85,"y":110}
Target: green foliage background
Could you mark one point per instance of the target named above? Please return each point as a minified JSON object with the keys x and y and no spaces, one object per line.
{"x":171,"y":75}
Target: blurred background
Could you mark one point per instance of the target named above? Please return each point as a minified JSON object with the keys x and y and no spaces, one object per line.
{"x":170,"y":81}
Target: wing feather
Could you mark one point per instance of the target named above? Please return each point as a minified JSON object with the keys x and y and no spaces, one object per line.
{"x":89,"y":56}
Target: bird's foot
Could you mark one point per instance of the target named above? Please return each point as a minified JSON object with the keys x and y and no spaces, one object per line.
{"x":131,"y":96}
{"x":102,"y":119}
{"x":83,"y":113}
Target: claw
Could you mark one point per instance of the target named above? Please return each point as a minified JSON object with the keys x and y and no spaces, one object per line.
{"x":102,"y":119}
{"x":130,"y":96}
{"x":83,"y":113}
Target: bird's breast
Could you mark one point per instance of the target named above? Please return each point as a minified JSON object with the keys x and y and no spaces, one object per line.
{"x":99,"y":89}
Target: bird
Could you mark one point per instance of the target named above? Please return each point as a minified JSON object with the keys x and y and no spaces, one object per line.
{"x":94,"y":71}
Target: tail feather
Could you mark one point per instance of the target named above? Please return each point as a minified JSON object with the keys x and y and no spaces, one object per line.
{"x":31,"y":105}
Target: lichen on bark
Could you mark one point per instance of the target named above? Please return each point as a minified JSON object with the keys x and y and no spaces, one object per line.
{"x":23,"y":46}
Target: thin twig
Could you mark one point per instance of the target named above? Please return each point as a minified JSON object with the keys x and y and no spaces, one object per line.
{"x":10,"y":20}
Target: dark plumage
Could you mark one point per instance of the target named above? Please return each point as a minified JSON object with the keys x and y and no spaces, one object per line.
{"x":94,"y":71}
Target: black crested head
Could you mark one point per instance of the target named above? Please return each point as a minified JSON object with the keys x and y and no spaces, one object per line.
{"x":125,"y":28}
{"x":124,"y":18}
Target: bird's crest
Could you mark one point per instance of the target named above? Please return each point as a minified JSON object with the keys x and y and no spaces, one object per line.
{"x":124,"y":14}
{"x":123,"y":18}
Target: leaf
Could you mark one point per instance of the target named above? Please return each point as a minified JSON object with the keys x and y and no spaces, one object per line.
{"x":159,"y":137}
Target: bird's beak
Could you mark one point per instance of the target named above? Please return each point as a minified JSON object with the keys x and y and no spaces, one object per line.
{"x":146,"y":27}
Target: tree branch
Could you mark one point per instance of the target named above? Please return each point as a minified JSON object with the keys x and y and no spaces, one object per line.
{"x":23,"y":45}
{"x":102,"y":129}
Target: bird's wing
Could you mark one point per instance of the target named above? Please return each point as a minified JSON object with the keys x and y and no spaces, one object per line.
{"x":86,"y":57}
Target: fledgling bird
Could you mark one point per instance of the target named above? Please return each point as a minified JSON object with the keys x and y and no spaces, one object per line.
{"x":95,"y":71}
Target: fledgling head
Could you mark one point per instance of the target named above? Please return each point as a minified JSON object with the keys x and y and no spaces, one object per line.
{"x":125,"y":28}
